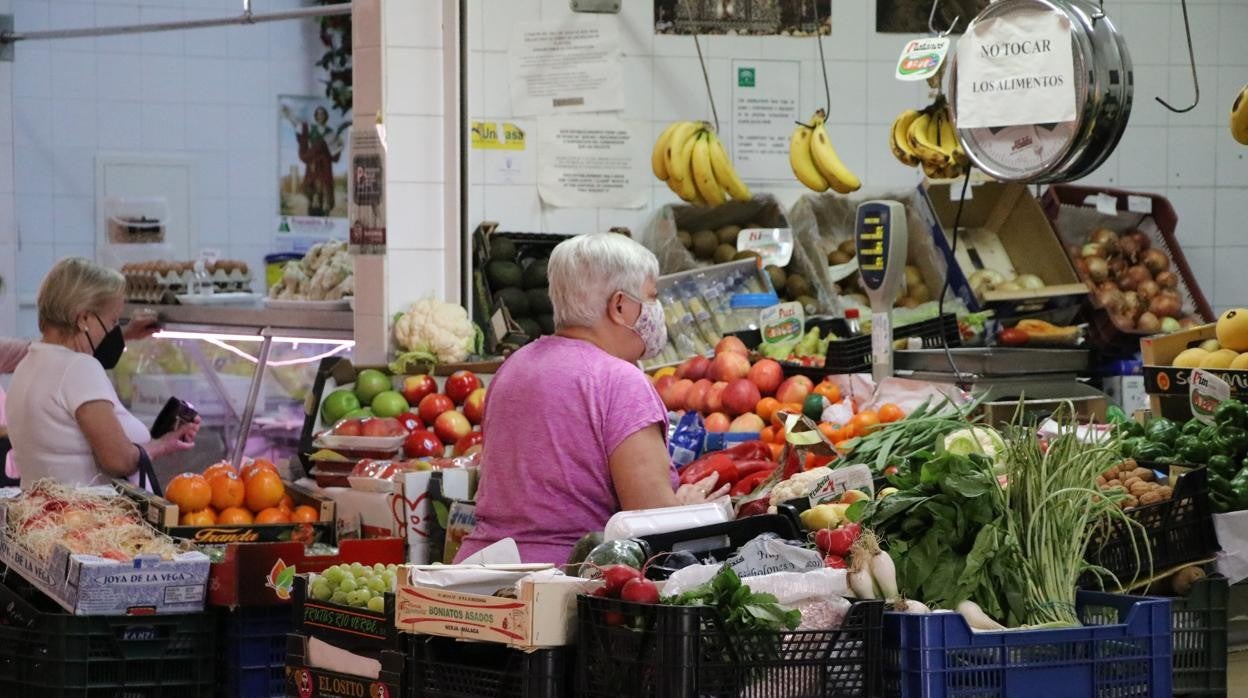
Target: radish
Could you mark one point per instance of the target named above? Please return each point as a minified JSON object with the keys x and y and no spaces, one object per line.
{"x":884,"y":572}
{"x":836,"y":562}
{"x":614,"y":578}
{"x":976,"y":618}
{"x":910,"y":606}
{"x":639,"y":590}
{"x":860,"y":582}
{"x":837,"y":541}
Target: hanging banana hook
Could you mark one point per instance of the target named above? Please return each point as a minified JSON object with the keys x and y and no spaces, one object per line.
{"x":931,"y":21}
{"x":1191,"y":57}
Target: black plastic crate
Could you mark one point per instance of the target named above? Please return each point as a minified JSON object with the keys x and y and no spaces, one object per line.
{"x":854,"y":355}
{"x":1199,"y":622}
{"x":351,"y":628}
{"x":1177,"y":531}
{"x":717,"y":541}
{"x":51,"y":654}
{"x":443,"y":667}
{"x":530,"y":248}
{"x":251,"y":651}
{"x":659,"y":651}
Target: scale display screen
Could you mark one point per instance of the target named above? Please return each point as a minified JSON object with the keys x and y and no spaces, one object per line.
{"x":874,"y":226}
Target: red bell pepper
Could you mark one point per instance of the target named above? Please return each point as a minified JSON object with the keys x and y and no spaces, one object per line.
{"x":749,"y":450}
{"x":749,"y":467}
{"x":754,"y":508}
{"x":702,"y":468}
{"x":749,"y":483}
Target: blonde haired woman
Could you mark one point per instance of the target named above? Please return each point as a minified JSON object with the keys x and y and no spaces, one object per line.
{"x":65,"y":419}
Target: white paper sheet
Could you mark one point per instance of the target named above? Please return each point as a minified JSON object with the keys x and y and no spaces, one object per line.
{"x":765,"y":99}
{"x":593,"y":162}
{"x":1016,"y":70}
{"x":565,"y":66}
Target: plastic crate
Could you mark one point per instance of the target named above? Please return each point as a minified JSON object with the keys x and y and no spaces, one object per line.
{"x":442,"y":667}
{"x":251,"y":653}
{"x":658,"y":651}
{"x":1122,"y":650}
{"x":51,"y":654}
{"x":1177,"y":531}
{"x":1200,"y":625}
{"x":854,"y":355}
{"x":719,"y":541}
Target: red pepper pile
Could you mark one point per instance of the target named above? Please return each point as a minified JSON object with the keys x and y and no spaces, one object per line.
{"x":744,"y":466}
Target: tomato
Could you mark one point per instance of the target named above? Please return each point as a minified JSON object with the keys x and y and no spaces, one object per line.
{"x":891,"y":413}
{"x":829,"y":390}
{"x":829,"y":431}
{"x":1013,"y":337}
{"x":865,"y":422}
{"x":767,"y":435}
{"x":891,"y":470}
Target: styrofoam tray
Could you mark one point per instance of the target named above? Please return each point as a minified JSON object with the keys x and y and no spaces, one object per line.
{"x":644,"y":522}
{"x":359,"y":443}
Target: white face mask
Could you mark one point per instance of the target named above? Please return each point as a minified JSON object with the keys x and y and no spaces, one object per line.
{"x":650,"y":326}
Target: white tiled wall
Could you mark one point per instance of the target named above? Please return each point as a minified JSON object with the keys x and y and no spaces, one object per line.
{"x":1188,"y":157}
{"x":207,"y":93}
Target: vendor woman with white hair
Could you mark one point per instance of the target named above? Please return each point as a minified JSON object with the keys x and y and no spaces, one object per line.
{"x":65,"y":420}
{"x":575,"y":431}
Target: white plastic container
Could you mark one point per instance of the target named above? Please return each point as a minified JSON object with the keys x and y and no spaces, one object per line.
{"x":645,"y":522}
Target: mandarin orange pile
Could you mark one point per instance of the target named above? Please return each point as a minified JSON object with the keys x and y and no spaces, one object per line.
{"x":223,"y":497}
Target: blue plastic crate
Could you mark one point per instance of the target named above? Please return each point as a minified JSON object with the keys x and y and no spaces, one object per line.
{"x":1124,"y":649}
{"x":251,"y":655}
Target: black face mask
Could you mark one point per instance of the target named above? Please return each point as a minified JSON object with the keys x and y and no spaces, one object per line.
{"x":111,"y":347}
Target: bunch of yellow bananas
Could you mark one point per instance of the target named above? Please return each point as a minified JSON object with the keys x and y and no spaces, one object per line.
{"x":814,"y":160}
{"x":692,"y":160}
{"x":926,"y":138}
{"x":1239,"y":117}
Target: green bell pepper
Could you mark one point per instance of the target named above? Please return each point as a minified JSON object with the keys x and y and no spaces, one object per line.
{"x":1115,"y":415}
{"x":1221,"y":466}
{"x":1221,"y":486}
{"x":1230,"y":440}
{"x":1231,"y":412}
{"x":1150,"y":451}
{"x":1129,"y":445}
{"x":1193,"y":427}
{"x":1239,"y":490}
{"x":1162,"y":430}
{"x":1190,"y":449}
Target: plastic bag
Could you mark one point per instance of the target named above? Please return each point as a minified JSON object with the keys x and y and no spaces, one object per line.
{"x":687,"y":439}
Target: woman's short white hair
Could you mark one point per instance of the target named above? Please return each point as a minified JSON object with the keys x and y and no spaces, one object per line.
{"x":586,"y":270}
{"x":75,"y":286}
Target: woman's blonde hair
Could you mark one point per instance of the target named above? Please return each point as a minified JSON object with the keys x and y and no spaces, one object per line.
{"x":75,"y":286}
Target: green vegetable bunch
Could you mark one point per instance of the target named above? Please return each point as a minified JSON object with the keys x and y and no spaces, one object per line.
{"x":906,"y":440}
{"x":740,"y":609}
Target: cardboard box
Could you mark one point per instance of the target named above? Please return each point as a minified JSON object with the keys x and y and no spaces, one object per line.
{"x":424,"y":516}
{"x":1004,"y":228}
{"x":1127,"y":392}
{"x":87,"y":585}
{"x":305,"y":681}
{"x":1041,"y":399}
{"x":263,"y":574}
{"x":1166,"y":385}
{"x":363,"y":514}
{"x":544,"y":615}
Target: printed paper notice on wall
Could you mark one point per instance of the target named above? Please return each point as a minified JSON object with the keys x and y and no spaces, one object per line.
{"x":1015,"y":71}
{"x":593,"y":162}
{"x":368,"y":201}
{"x":565,"y":66}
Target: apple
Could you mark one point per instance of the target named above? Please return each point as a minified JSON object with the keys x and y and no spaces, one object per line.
{"x":351,"y":427}
{"x":415,"y":388}
{"x":694,"y":368}
{"x":748,"y":423}
{"x":468,"y":444}
{"x":740,"y":396}
{"x":715,"y":397}
{"x":851,"y":496}
{"x":474,"y":406}
{"x":663,"y":383}
{"x":676,"y":395}
{"x":696,"y":402}
{"x":423,"y":443}
{"x":795,"y":390}
{"x":767,"y":375}
{"x":716,"y":422}
{"x":382,"y":427}
{"x":410,"y":421}
{"x":729,"y":366}
{"x":452,"y":426}
{"x":369,"y":383}
{"x":432,"y":406}
{"x":389,"y":403}
{"x":460,"y":385}
{"x":732,"y":345}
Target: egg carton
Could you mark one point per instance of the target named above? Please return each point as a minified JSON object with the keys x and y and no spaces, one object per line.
{"x":157,"y":282}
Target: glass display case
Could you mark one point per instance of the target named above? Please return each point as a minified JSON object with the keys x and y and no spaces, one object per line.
{"x":247,"y":371}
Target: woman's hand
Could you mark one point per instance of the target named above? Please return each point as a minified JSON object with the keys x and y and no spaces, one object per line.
{"x":701,"y":491}
{"x":143,"y":324}
{"x":176,"y":441}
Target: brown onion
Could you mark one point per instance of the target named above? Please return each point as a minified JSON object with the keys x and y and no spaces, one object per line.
{"x":1167,"y":279}
{"x":1187,"y":322}
{"x":1156,"y":261}
{"x":1093,"y":250}
{"x":1110,"y":298}
{"x":1081,"y":266}
{"x":1129,"y":247}
{"x":1097,"y":268}
{"x":1075,"y":251}
{"x":1132,"y":304}
{"x":1141,"y":239}
{"x":1147,"y":289}
{"x":1117,"y":265}
{"x":1148,"y":323}
{"x":1106,"y":238}
{"x":1123,"y":321}
{"x":1165,"y":305}
{"x":1133,"y":277}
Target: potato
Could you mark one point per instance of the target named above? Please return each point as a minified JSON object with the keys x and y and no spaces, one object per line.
{"x":1130,"y":480}
{"x":1130,"y":503}
{"x":1144,"y":474}
{"x":1140,"y":488}
{"x":1151,"y":497}
{"x":1166,"y":492}
{"x":1114,"y":483}
{"x":1100,"y":481}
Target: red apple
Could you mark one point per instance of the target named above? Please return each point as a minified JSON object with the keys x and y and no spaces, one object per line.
{"x":433,"y":405}
{"x":474,"y":406}
{"x":423,"y":444}
{"x":351,"y":427}
{"x":715,"y":397}
{"x":696,"y":402}
{"x":382,"y":427}
{"x":451,"y":426}
{"x":729,"y":366}
{"x":717,"y":422}
{"x":676,"y":396}
{"x":740,"y":397}
{"x":694,"y":368}
{"x":410,"y":421}
{"x":415,"y":388}
{"x":460,"y":385}
{"x":794,"y":389}
{"x":767,"y":375}
{"x":733,"y":345}
{"x":748,"y":423}
{"x":663,"y":383}
{"x":469,"y":444}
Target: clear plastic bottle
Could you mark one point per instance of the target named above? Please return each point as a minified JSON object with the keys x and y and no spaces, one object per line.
{"x":851,"y":319}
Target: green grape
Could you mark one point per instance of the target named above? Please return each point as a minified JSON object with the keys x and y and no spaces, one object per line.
{"x":359,"y":597}
{"x":357,"y":568}
{"x":377,"y":604}
{"x":347,"y":585}
{"x":339,"y":597}
{"x":333,"y":575}
{"x":321,"y":589}
{"x":378,"y":585}
{"x":379,"y":568}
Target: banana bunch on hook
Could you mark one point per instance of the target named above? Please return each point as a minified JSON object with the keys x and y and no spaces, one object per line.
{"x":691,"y":159}
{"x":925,"y":138}
{"x":814,"y":160}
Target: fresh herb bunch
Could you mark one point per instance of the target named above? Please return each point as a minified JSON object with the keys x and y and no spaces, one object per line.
{"x":740,"y":609}
{"x":906,"y":440}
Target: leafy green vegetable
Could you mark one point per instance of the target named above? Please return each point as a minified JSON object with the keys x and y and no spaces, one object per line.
{"x":740,"y":609}
{"x":908,"y":439}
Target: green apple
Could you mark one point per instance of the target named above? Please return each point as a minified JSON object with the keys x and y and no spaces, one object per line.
{"x":362,"y":413}
{"x":389,"y":403}
{"x":337,"y":404}
{"x":369,"y":384}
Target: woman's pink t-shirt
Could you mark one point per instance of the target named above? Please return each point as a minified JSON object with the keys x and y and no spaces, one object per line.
{"x":554,"y":413}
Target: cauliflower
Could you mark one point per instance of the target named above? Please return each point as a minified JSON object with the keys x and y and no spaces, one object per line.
{"x":800,"y":485}
{"x":435,"y":331}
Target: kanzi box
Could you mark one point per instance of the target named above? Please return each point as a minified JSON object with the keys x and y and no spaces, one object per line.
{"x":542,"y":615}
{"x":263,"y":574}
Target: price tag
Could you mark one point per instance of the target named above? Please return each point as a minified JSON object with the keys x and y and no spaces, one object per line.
{"x":782,"y":323}
{"x":881,"y":337}
{"x":774,"y":245}
{"x":830,"y":489}
{"x":1205,"y":392}
{"x":922,"y":58}
{"x":1140,"y":204}
{"x":1107,"y":204}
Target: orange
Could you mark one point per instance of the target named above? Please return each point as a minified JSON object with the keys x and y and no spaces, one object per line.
{"x":256,"y":466}
{"x":767,"y":435}
{"x":264,"y":490}
{"x":780,"y":436}
{"x":272,"y":515}
{"x":189,"y":491}
{"x":287,"y":504}
{"x":203,"y":517}
{"x":829,"y":390}
{"x":829,"y":431}
{"x":865,"y":422}
{"x":766,"y":408}
{"x":234,"y":516}
{"x":891,"y":413}
{"x":776,"y":450}
{"x":305,"y":514}
{"x":228,"y":491}
{"x":217,"y":469}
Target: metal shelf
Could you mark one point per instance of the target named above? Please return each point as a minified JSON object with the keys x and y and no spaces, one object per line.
{"x":253,"y":319}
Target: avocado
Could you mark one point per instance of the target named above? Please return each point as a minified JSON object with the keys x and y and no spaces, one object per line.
{"x":535,"y":275}
{"x":685,"y":239}
{"x":797,"y":286}
{"x":728,"y":235}
{"x":778,"y":277}
{"x":725,"y":254}
{"x":514,"y":300}
{"x":503,"y":274}
{"x":547,"y":322}
{"x":704,"y":244}
{"x":529,"y":326}
{"x":502,"y":248}
{"x":539,"y":301}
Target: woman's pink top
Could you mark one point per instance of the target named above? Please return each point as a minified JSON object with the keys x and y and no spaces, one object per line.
{"x":554,"y":413}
